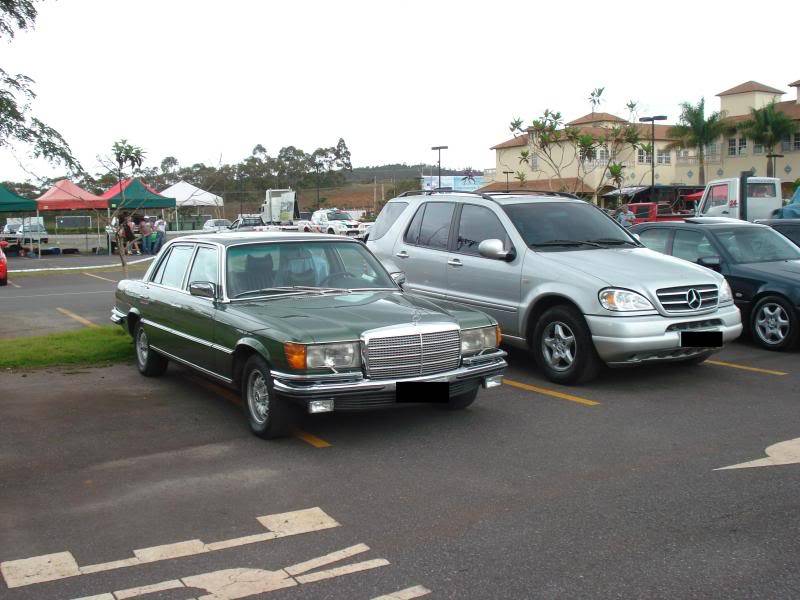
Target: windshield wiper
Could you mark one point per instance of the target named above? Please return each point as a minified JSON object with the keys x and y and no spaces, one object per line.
{"x":615,"y":242}
{"x":566,"y":243}
{"x":293,"y":289}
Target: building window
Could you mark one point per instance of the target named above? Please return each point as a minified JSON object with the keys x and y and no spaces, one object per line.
{"x":712,"y":149}
{"x":786,"y":143}
{"x":731,"y":146}
{"x":797,"y":141}
{"x":758,"y":148}
{"x":663,"y":157}
{"x":742,"y":146}
{"x":602,"y":154}
{"x":643,"y":157}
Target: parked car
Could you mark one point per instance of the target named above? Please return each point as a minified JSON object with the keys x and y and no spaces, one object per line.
{"x":9,"y":232}
{"x":788,"y":227}
{"x":561,"y":277}
{"x":3,"y":264}
{"x":303,"y":320}
{"x":30,"y":233}
{"x":216,"y":225}
{"x":337,"y":222}
{"x":761,"y":266}
{"x":246,"y":224}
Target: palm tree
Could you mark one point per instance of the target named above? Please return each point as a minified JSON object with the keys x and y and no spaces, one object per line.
{"x":768,"y":126}
{"x":695,"y":130}
{"x":595,"y":97}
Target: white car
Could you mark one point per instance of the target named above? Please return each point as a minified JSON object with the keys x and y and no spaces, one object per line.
{"x":336,"y":222}
{"x":216,"y":225}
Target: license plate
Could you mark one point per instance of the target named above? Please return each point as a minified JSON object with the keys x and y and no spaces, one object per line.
{"x":701,"y":339}
{"x":423,"y":391}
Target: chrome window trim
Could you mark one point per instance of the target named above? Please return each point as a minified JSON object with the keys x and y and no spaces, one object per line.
{"x":186,"y":336}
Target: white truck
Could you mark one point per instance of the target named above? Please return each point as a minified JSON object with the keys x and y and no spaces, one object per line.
{"x":279,"y":211}
{"x":722,"y":198}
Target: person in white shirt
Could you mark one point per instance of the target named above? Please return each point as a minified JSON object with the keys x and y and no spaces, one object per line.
{"x":160,"y":227}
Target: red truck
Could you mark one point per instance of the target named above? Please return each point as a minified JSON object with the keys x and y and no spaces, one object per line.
{"x":646,"y":212}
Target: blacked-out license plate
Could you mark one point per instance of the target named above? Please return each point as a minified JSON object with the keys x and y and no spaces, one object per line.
{"x":701,"y":339}
{"x":423,"y":391}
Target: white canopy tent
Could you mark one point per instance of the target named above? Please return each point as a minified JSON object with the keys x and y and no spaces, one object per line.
{"x":186,"y":194}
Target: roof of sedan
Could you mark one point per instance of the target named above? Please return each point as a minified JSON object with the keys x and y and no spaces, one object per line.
{"x":228,"y":239}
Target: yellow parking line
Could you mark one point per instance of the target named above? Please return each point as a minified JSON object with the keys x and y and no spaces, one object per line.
{"x":310,"y":438}
{"x":78,"y":318}
{"x":721,"y":363}
{"x":98,"y":277}
{"x":549,"y":392}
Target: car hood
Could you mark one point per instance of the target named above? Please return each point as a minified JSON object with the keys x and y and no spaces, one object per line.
{"x":785,"y":270}
{"x":339,"y":317}
{"x":638,"y":269}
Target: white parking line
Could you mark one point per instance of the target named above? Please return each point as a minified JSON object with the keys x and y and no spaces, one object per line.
{"x":57,"y":294}
{"x":407,"y":594}
{"x":782,"y":453}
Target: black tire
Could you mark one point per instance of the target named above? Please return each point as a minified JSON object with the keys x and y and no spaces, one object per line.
{"x":696,"y":360}
{"x":557,"y":366}
{"x":276,"y":418}
{"x":462,"y":401}
{"x":3,"y":281}
{"x":774,"y":324}
{"x":149,"y":362}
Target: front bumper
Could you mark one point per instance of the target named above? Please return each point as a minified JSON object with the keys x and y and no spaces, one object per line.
{"x":117,"y":317}
{"x":624,"y":341}
{"x":355,"y":392}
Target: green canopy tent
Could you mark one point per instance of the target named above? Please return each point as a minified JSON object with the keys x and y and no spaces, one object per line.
{"x":133,"y":194}
{"x":13,"y":203}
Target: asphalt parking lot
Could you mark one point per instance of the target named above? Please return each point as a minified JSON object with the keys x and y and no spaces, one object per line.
{"x":116,"y":486}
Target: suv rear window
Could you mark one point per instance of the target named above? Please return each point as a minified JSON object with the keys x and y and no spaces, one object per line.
{"x":390,"y":213}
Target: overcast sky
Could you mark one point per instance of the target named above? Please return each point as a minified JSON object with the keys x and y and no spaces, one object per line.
{"x":202,"y":80}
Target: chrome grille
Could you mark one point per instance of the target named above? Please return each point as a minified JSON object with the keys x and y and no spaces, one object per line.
{"x":679,"y":299}
{"x":410,"y":355}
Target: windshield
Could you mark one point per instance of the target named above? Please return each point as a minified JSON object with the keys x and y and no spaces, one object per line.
{"x":339,"y":216}
{"x":560,"y":225}
{"x":756,"y":244}
{"x":287,"y":267}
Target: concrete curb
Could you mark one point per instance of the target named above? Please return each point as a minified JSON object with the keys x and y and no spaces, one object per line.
{"x":132,"y":262}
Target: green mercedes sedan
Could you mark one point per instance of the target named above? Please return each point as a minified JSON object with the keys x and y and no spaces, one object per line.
{"x":304,"y":322}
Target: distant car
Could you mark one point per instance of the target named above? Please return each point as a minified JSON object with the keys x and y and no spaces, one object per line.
{"x":761,"y":266}
{"x":788,"y":227}
{"x":11,"y":228}
{"x":246,"y":224}
{"x":3,"y":265}
{"x":33,"y":232}
{"x":336,"y":222}
{"x":216,"y":225}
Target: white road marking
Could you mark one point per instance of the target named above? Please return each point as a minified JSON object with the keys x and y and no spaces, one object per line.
{"x":782,"y":453}
{"x":49,"y":567}
{"x":11,"y":283}
{"x":98,"y":277}
{"x":232,"y":584}
{"x":108,"y":266}
{"x":58,"y":294}
{"x":407,"y":594}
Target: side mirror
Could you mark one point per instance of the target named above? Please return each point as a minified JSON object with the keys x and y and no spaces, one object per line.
{"x":494,"y":249}
{"x":203,"y":289}
{"x":710,"y":262}
{"x":399,"y":278}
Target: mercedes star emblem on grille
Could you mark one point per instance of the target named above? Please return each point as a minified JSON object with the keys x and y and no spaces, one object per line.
{"x":693,"y":298}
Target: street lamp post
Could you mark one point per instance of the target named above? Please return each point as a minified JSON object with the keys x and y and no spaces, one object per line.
{"x":439,"y":149}
{"x":652,"y":121}
{"x":507,"y":173}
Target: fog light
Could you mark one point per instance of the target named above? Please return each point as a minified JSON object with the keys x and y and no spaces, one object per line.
{"x":493,"y":381}
{"x":320,"y":406}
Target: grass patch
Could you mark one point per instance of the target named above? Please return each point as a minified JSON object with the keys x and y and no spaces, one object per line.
{"x":89,"y":346}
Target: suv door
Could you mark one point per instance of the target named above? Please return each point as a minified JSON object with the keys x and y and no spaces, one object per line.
{"x":422,"y":249}
{"x":486,"y":284}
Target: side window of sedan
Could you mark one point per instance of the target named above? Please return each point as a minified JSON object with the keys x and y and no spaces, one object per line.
{"x":477,"y":224}
{"x":175,"y":266}
{"x":205,"y":266}
{"x":655,"y":239}
{"x":691,"y":245}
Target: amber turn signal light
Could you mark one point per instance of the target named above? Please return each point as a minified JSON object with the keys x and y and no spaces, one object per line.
{"x":499,"y":335}
{"x":295,"y":355}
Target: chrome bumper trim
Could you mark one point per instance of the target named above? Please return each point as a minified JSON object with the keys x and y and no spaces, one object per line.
{"x":117,"y":316}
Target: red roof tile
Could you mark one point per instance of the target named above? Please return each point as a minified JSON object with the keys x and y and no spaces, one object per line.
{"x":597,"y":117}
{"x":750,"y":86}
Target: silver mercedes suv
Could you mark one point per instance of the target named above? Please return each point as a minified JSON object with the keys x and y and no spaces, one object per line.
{"x":561,"y":277}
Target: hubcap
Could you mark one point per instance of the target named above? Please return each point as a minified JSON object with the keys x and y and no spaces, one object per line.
{"x":558,"y":346}
{"x":258,"y":397}
{"x":142,"y":347}
{"x":772,"y":324}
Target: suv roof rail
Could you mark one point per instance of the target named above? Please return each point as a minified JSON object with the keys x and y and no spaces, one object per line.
{"x":437,"y":191}
{"x":533,"y":193}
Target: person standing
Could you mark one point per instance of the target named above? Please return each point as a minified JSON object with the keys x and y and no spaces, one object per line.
{"x":626,"y":216}
{"x":161,"y":234}
{"x":145,"y":229}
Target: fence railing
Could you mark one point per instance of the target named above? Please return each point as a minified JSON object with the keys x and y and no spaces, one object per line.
{"x":709,"y":159}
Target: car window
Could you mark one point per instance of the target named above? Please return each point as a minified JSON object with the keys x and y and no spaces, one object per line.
{"x":478,"y":223}
{"x":756,"y":244}
{"x":205,"y":266}
{"x":717,"y":196}
{"x":691,"y":245}
{"x":655,"y":239}
{"x":792,"y":232}
{"x":435,"y":228}
{"x":175,"y":266}
{"x":159,"y":272}
{"x":390,"y":213}
{"x":356,"y":262}
{"x":412,"y":232}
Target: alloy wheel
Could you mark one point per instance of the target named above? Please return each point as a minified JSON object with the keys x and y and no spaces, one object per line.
{"x":142,"y":347}
{"x":558,"y":346}
{"x":258,"y":397}
{"x":772,"y":324}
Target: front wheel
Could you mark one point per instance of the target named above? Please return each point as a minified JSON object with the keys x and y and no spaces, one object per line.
{"x":149,"y":362}
{"x":563,"y":348}
{"x":268,"y":415}
{"x":773,"y":324}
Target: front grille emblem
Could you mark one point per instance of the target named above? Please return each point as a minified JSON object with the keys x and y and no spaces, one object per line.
{"x":693,"y":299}
{"x":416,"y":317}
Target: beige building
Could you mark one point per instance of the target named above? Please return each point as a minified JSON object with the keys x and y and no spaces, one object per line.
{"x":727,"y":157}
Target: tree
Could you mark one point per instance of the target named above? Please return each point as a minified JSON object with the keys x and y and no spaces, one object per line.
{"x":616,"y":173}
{"x":768,"y":126}
{"x":17,"y":123}
{"x":595,"y":97}
{"x":124,"y":154}
{"x":695,"y":130}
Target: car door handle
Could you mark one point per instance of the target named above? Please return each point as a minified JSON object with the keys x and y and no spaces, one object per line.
{"x":402,"y":254}
{"x":454,"y":262}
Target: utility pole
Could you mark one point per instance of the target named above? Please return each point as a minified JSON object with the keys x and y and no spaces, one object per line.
{"x":507,"y":173}
{"x":652,"y":121}
{"x":439,"y":149}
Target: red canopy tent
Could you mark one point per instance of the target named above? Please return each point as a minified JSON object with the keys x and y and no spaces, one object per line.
{"x":65,"y":195}
{"x":694,"y":197}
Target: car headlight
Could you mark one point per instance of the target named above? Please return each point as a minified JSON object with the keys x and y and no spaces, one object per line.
{"x":477,"y":340}
{"x":323,"y":356}
{"x":725,"y":293}
{"x":623,"y":300}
